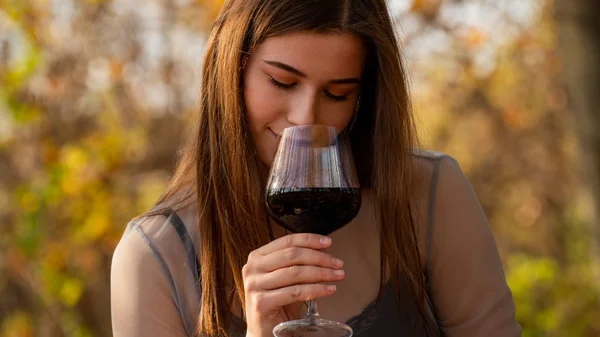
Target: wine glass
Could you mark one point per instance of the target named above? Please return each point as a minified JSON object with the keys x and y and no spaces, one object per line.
{"x":313,"y":188}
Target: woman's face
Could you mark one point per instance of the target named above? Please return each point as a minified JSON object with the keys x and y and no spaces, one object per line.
{"x":298,"y":79}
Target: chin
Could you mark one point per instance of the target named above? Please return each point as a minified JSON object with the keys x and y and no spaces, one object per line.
{"x":266,"y":161}
{"x":266,"y":155}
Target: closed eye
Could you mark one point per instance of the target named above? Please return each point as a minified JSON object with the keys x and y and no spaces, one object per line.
{"x":286,"y":86}
{"x":281,"y":85}
{"x":336,"y":98}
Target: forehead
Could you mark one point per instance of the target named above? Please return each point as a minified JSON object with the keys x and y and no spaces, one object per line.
{"x":316,"y":54}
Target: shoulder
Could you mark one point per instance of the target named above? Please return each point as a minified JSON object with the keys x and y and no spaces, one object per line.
{"x":444,"y":202}
{"x":146,"y":236}
{"x":139,"y":240}
{"x":156,"y":237}
{"x":145,"y":250}
{"x":150,"y":266}
{"x":430,"y":170}
{"x":425,"y":161}
{"x":459,"y":252}
{"x":440,"y":180}
{"x":158,"y":233}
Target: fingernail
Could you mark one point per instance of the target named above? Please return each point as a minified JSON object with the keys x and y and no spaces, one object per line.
{"x":325,"y":240}
{"x":337,"y":262}
{"x":338,"y":272}
{"x":331,"y":288}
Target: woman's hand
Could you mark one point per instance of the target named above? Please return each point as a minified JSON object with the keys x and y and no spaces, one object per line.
{"x":285,"y":271}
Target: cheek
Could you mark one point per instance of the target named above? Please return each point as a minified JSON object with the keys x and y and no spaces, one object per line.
{"x":263,"y":108}
{"x":261,"y":105}
{"x":338,"y":116}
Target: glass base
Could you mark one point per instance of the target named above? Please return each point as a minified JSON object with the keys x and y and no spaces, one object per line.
{"x":312,"y":327}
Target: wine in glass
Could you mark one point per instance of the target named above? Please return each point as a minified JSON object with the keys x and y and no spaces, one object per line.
{"x":313,"y":188}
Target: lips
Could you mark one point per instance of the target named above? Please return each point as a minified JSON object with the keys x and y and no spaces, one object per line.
{"x":274,"y":134}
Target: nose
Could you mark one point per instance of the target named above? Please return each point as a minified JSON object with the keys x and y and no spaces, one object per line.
{"x":303,"y":111}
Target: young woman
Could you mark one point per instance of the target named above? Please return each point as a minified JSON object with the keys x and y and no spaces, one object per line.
{"x":418,"y":260}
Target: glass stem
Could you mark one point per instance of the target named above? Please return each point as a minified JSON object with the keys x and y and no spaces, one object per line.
{"x":312,"y":309}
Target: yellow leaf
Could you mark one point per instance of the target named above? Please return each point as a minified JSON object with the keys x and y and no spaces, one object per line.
{"x":29,"y":201}
{"x":97,"y":222}
{"x":74,"y":158}
{"x":72,"y":184}
{"x":150,"y":188}
{"x":71,"y":291}
{"x":17,"y":325}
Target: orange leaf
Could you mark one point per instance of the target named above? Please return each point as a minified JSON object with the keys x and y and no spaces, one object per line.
{"x":476,"y":37}
{"x":427,"y":8}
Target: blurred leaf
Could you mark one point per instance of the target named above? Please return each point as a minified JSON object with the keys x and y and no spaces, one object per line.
{"x":17,"y":325}
{"x":475,"y":37}
{"x":71,"y":291}
{"x":23,"y":70}
{"x":92,"y":126}
{"x":98,"y":219}
{"x":428,"y":8}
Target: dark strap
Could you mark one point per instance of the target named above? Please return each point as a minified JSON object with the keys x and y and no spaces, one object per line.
{"x":436,"y":329}
{"x":183,"y":234}
{"x":431,"y":214}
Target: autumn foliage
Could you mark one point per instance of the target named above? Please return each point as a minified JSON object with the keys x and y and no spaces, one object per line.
{"x":94,"y":96}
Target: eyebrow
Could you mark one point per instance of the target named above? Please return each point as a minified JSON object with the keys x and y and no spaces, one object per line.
{"x":297,"y":72}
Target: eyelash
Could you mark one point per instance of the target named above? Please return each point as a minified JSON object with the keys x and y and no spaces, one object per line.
{"x":289,"y":86}
{"x":336,"y":98}
{"x":281,"y":85}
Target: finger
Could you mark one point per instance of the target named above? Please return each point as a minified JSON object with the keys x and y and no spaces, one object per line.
{"x":286,"y":277}
{"x":305,"y":240}
{"x":269,"y":301}
{"x":298,"y":256}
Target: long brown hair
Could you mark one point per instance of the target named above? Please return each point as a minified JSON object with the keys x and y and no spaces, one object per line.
{"x":221,"y":162}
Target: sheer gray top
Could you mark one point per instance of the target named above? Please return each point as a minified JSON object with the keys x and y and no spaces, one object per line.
{"x":155,"y":289}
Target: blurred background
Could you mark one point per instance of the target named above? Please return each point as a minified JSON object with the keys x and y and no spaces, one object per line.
{"x":94,"y":95}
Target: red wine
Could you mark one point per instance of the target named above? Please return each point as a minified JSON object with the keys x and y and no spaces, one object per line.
{"x":313,"y":210}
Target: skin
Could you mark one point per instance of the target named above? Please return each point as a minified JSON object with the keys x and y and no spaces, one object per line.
{"x":298,"y":79}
